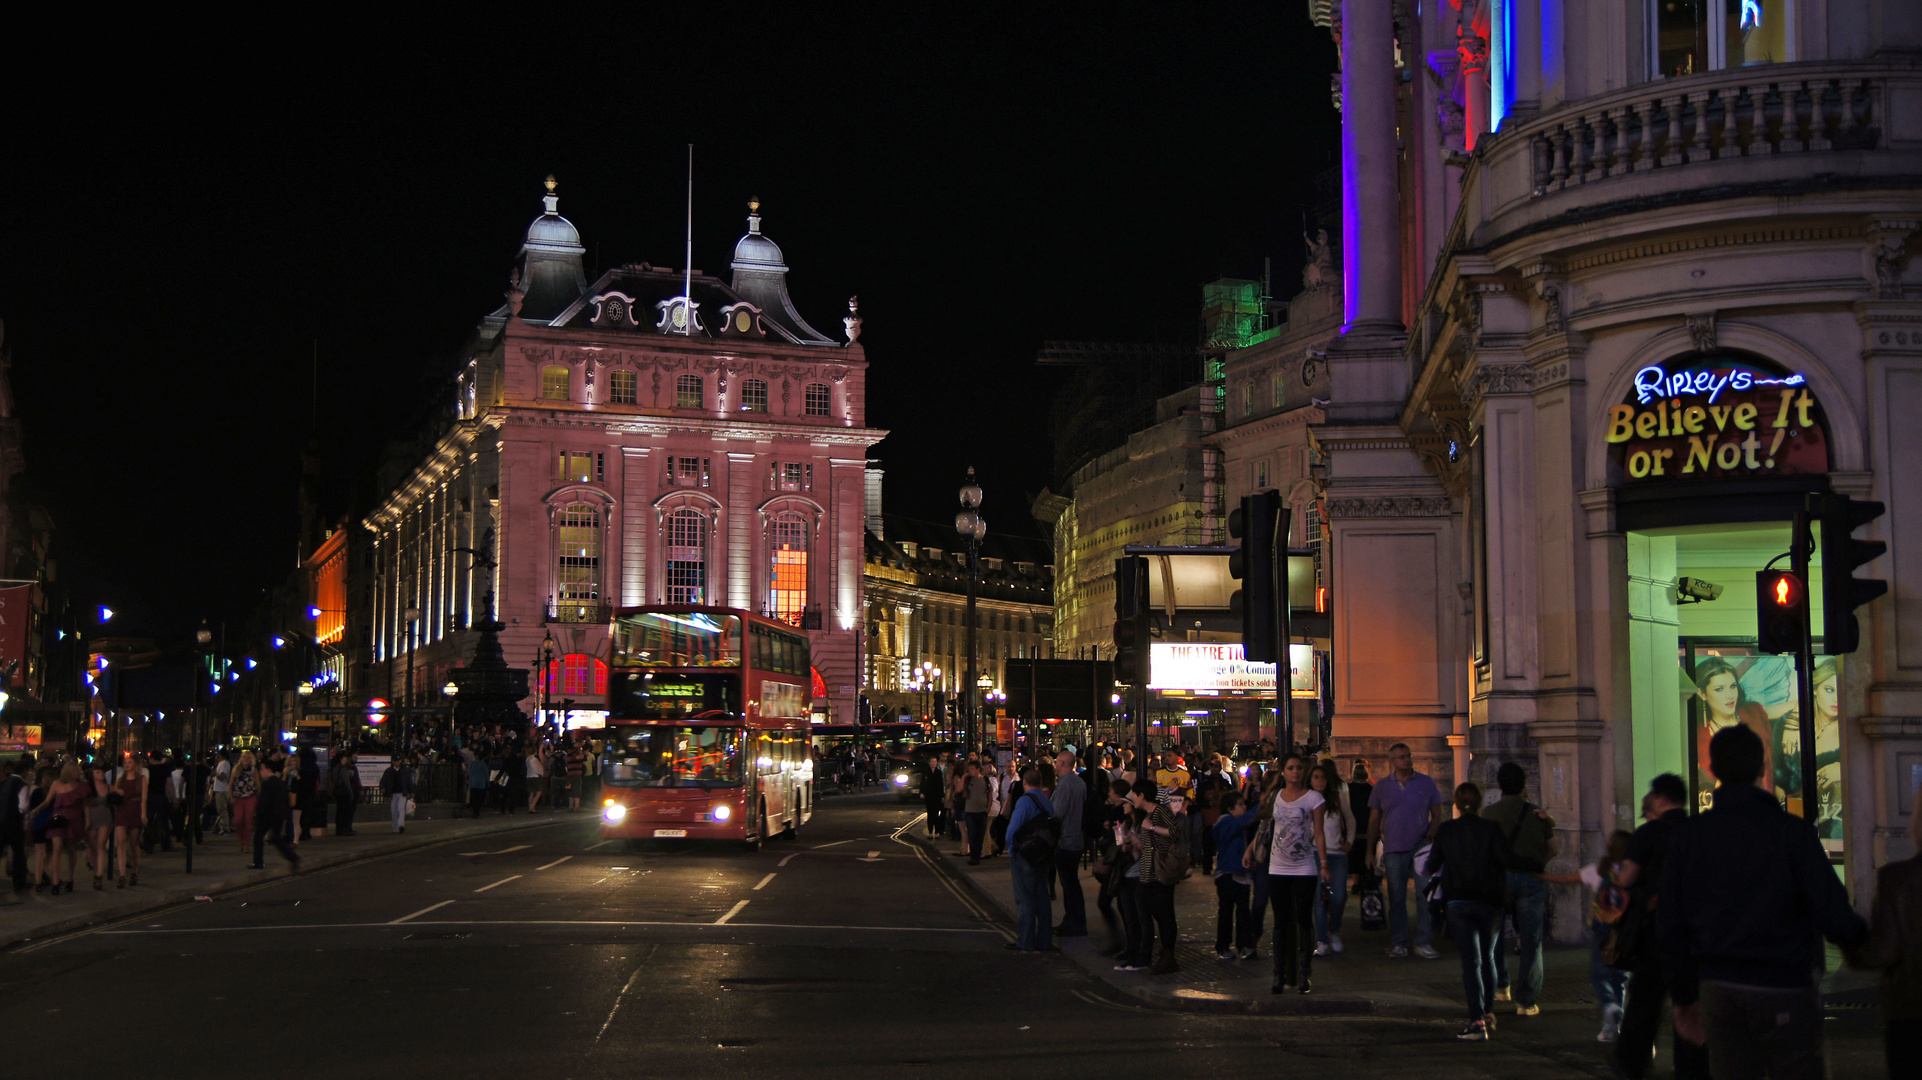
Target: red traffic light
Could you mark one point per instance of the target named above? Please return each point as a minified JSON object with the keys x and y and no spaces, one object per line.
{"x":1781,"y":608}
{"x":1785,"y":591}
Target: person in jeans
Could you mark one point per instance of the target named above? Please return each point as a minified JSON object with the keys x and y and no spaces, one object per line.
{"x":1745,"y":890}
{"x":1468,"y":853}
{"x":976,"y":808}
{"x":1234,"y":926}
{"x":477,"y":776}
{"x":1530,"y":835}
{"x":1338,"y":828}
{"x":1404,"y":811}
{"x":1297,"y":866}
{"x":1030,"y":879}
{"x":1070,"y":803}
{"x":1665,"y":807}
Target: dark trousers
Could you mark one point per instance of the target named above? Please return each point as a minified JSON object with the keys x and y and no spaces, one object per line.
{"x":1642,"y":1022}
{"x":1159,"y":905}
{"x":1105,"y":901}
{"x":343,"y":815}
{"x":1138,"y":947}
{"x":1902,"y":1042}
{"x":1234,"y":926}
{"x":1294,"y":898}
{"x":1067,"y":876}
{"x":13,"y":841}
{"x":1208,"y":848}
{"x":476,"y":798}
{"x":977,"y":833}
{"x":1758,"y":1030}
{"x":275,"y":833}
{"x":1477,"y":928}
{"x":1031,"y":904}
{"x":935,"y":813}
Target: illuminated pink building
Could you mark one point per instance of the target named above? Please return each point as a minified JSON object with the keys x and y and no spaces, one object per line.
{"x":1622,"y":286}
{"x":654,"y":436}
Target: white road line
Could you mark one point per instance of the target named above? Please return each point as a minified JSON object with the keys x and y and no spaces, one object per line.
{"x":419,"y":913}
{"x":731,"y":912}
{"x":787,"y":859}
{"x":618,"y":998}
{"x":818,"y":847}
{"x":502,"y":881}
{"x":555,"y":863}
{"x":764,"y":881}
{"x":503,"y":851}
{"x":600,"y":845}
{"x":623,"y":923}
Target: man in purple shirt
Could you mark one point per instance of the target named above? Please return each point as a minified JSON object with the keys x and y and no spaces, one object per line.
{"x":1404,"y":811}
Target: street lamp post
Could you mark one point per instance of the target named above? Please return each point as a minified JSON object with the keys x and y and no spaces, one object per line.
{"x":203,"y":644}
{"x":970,"y":524}
{"x":412,"y":615}
{"x":547,"y":665}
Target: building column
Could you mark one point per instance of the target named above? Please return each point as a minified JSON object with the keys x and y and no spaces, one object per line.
{"x":743,"y":533}
{"x":1371,"y":213}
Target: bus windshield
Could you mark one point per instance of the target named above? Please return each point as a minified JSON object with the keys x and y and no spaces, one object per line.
{"x":671,"y":695}
{"x":673,"y":756}
{"x":676,"y":639}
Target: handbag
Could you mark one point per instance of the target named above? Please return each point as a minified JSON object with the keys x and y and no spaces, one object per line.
{"x":1172,"y":858}
{"x":57,"y":821}
{"x":1374,"y":909}
{"x":1264,"y":840}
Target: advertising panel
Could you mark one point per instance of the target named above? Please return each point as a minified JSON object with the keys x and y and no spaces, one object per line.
{"x":1717,"y":415}
{"x":1220,"y":665}
{"x":16,"y":615}
{"x":1732,"y":685}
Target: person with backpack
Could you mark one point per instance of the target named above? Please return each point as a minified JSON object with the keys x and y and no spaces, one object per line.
{"x":1632,"y":941}
{"x":1033,"y":835}
{"x":1529,"y":837}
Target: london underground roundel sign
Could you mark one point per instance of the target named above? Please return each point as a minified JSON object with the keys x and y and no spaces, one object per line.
{"x":1717,"y":416}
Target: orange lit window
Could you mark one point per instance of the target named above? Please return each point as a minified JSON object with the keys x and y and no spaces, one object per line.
{"x":788,"y":568}
{"x":576,"y":674}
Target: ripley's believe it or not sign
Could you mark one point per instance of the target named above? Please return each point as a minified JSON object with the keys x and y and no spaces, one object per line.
{"x":1718,"y":416}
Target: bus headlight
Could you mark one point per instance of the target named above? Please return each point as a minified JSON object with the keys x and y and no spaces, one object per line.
{"x":614,"y":812}
{"x":723,"y":811}
{"x":900,"y":779}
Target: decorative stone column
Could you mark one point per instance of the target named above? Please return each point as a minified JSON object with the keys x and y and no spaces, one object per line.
{"x":1371,"y":215}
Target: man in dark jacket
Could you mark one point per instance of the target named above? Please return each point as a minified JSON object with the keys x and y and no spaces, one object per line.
{"x":270,"y":819}
{"x":1470,"y":856}
{"x":1666,"y":807}
{"x":345,"y":784}
{"x":1744,"y":892}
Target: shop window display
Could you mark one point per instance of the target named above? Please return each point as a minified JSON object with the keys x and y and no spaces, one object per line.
{"x":1732,"y":684}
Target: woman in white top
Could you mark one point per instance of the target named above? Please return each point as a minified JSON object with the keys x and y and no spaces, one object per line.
{"x":1338,"y":832}
{"x":536,"y":777}
{"x":1297,"y":865}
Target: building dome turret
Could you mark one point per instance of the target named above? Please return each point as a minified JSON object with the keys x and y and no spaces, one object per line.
{"x":754,"y":251}
{"x":550,"y":262}
{"x":760,"y":277}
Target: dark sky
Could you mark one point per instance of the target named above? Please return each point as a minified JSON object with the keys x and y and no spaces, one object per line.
{"x":190,"y":212}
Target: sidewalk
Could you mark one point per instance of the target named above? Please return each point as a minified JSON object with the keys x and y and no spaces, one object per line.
{"x":219,"y":866}
{"x":1362,"y":980}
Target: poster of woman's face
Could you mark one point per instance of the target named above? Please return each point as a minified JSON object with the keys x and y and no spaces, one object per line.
{"x":1734,"y":686}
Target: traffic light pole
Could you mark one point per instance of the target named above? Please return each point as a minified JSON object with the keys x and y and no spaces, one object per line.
{"x":1284,"y":629}
{"x":1801,"y":540}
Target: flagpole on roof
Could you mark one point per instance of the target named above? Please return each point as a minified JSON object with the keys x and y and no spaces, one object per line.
{"x":687,"y":289}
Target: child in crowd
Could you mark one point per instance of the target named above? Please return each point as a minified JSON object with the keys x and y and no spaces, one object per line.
{"x":1606,"y":906}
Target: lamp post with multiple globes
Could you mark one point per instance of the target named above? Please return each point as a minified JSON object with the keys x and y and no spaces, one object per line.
{"x":973,"y":527}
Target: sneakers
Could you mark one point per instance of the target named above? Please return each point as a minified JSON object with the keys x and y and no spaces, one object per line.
{"x":1528,"y":1010}
{"x":1427,"y":952}
{"x":1398,"y":952}
{"x":1246,"y":954}
{"x":1304,"y":988}
{"x":1488,"y":1019}
{"x":1475,"y":1032}
{"x":1224,"y":954}
{"x":1131,"y":967}
{"x":1321,"y":948}
{"x":1611,"y":1025}
{"x":1334,"y":943}
{"x":1504,"y":994}
{"x":1164,"y":964}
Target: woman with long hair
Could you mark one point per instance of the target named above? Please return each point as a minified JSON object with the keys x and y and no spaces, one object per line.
{"x":1297,"y":864}
{"x":66,"y":801}
{"x":1339,"y":830}
{"x":243,"y":789}
{"x":130,"y":817}
{"x":37,"y":818}
{"x":1724,"y":704}
{"x":99,"y":822}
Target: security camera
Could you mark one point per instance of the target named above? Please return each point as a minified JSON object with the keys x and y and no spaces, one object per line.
{"x":1690,"y":590}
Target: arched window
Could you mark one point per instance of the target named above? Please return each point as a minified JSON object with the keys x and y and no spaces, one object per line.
{"x":754,"y":395}
{"x":686,"y":557}
{"x":787,"y":576}
{"x":554,"y":383}
{"x":621,"y":387}
{"x":577,"y":571}
{"x":815,"y":399}
{"x":688,"y":392}
{"x":576,"y":674}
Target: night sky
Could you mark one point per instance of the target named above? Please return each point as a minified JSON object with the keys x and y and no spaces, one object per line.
{"x":191,"y":213}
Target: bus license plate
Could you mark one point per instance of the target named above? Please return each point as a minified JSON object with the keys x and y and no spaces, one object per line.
{"x":670,"y":832}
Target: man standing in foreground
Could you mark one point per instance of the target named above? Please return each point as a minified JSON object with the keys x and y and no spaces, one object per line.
{"x":1745,"y":889}
{"x":1666,"y":808}
{"x":1404,"y":811}
{"x":1070,"y":802}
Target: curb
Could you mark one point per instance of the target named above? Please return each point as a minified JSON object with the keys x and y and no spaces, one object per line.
{"x":185,"y":894}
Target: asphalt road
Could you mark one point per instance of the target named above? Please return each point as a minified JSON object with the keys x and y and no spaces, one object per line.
{"x":546,"y":953}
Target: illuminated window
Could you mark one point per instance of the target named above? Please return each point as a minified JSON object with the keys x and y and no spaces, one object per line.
{"x":686,"y":557}
{"x":816,"y":400}
{"x":790,"y":475}
{"x":1261,"y":476}
{"x":1247,"y":399}
{"x":1693,"y":36}
{"x":754,"y":395}
{"x":576,"y":675}
{"x":578,"y":468}
{"x":554,"y":383}
{"x":688,"y":471}
{"x":688,"y":392}
{"x":788,"y":568}
{"x":577,"y":571}
{"x":1280,"y":389}
{"x":621,"y":387}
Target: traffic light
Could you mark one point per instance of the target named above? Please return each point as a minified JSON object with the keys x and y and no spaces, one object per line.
{"x":1842,"y":591}
{"x":1781,"y":600}
{"x":1131,"y":620}
{"x":1259,"y":524}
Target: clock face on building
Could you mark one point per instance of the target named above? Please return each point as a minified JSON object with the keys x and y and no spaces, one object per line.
{"x":742,"y":321}
{"x":679,"y":316}
{"x":611,"y":310}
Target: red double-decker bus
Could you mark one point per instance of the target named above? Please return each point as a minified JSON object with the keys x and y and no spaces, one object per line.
{"x":707,"y":726}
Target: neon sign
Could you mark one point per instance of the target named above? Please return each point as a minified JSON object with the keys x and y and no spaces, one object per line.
{"x":1717,"y":416}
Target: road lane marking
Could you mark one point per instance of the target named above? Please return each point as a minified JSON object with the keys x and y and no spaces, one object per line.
{"x":873,"y":856}
{"x":618,"y":998}
{"x":764,"y":881}
{"x":503,"y":851}
{"x":788,"y":859}
{"x":623,"y":923}
{"x":555,"y":863}
{"x":502,"y":881}
{"x":836,"y":843}
{"x":419,"y":913}
{"x":600,"y":845}
{"x":731,"y":912}
{"x":928,"y":860}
